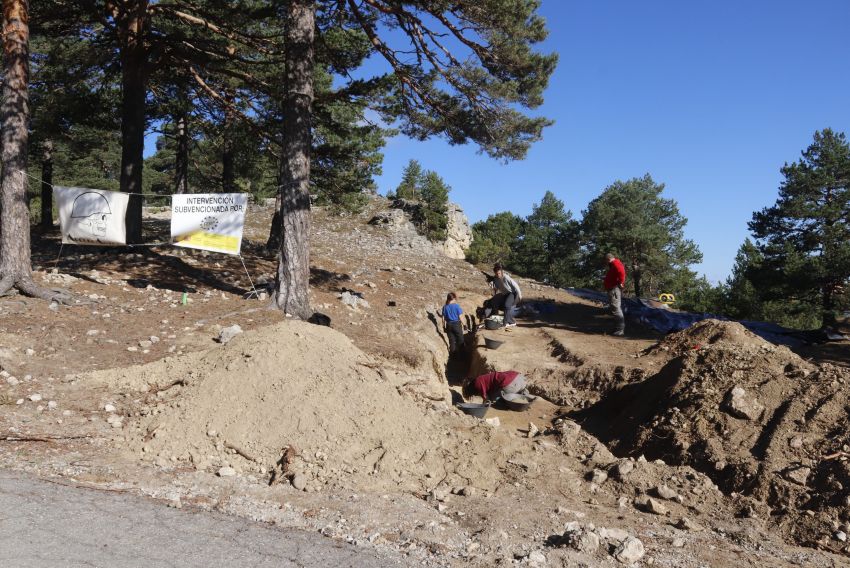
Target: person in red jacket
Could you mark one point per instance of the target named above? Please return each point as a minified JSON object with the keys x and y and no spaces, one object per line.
{"x":614,"y":281}
{"x":497,"y":384}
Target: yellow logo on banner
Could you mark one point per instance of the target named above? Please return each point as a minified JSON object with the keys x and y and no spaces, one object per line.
{"x":201,"y":239}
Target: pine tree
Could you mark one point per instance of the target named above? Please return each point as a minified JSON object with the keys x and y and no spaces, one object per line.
{"x":411,"y":180}
{"x":631,"y":219}
{"x":494,"y":238}
{"x":805,"y":237}
{"x":548,"y":244}
{"x":435,"y":200}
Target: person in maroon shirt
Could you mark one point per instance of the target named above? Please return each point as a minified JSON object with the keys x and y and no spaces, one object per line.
{"x":614,"y":281}
{"x":497,"y":384}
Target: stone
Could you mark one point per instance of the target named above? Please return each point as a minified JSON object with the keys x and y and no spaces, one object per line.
{"x":797,"y":474}
{"x":35,"y":397}
{"x":354,"y":301}
{"x":52,"y":404}
{"x":13,"y":381}
{"x":598,"y":476}
{"x":582,"y":540}
{"x":623,"y":469}
{"x":458,"y":233}
{"x":840,"y":536}
{"x":533,"y":430}
{"x":228,"y":333}
{"x":468,"y":491}
{"x":614,"y":535}
{"x":30,"y":352}
{"x":796,"y":442}
{"x":666,"y":493}
{"x":650,"y":505}
{"x":678,"y":542}
{"x":740,"y":404}
{"x":145,"y":344}
{"x":109,"y":407}
{"x":630,"y":551}
{"x":686,"y":524}
{"x":299,"y":481}
{"x":153,"y":339}
{"x":226,"y":472}
{"x":494,"y":422}
{"x":536,"y":558}
{"x":92,"y":332}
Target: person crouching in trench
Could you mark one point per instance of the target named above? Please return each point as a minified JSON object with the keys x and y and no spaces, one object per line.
{"x":496,"y":385}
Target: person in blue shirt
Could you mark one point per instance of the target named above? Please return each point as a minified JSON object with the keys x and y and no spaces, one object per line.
{"x":453,"y":326}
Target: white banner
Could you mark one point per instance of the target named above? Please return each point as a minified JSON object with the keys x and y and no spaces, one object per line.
{"x":91,"y":216}
{"x":208,"y":221}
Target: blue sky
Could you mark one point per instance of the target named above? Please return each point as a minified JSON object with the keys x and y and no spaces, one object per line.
{"x":710,"y":98}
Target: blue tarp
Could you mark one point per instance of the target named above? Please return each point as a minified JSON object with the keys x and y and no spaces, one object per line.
{"x":666,"y":321}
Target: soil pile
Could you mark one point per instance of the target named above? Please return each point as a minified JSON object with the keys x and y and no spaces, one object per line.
{"x":242,"y":405}
{"x":755,"y":417}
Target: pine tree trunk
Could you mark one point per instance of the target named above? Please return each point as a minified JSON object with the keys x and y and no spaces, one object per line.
{"x":14,"y":214}
{"x":292,"y":281}
{"x":273,"y":243}
{"x":636,"y":278}
{"x":133,"y":90}
{"x":181,"y":166}
{"x":47,"y":185}
{"x":828,"y":318}
{"x":228,"y":175}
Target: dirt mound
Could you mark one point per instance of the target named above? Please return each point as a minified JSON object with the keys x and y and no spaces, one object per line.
{"x":294,"y":384}
{"x":756,"y":418}
{"x":707,"y":332}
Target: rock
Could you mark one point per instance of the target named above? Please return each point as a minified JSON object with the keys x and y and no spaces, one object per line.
{"x":52,"y":404}
{"x":583,"y":539}
{"x":598,"y":476}
{"x":666,"y":493}
{"x":440,"y":493}
{"x":741,"y":405}
{"x":614,"y":535}
{"x":30,"y":352}
{"x":145,"y":344}
{"x":630,"y":551}
{"x":92,"y":332}
{"x":533,"y":430}
{"x":650,"y":505}
{"x":13,"y":381}
{"x":299,"y":481}
{"x":228,"y":333}
{"x":840,"y":536}
{"x":796,"y":442}
{"x":623,"y":469}
{"x":678,"y":542}
{"x":35,"y":397}
{"x":686,"y":524}
{"x":468,"y":491}
{"x":226,"y":472}
{"x":353,"y":301}
{"x":153,"y":339}
{"x":494,"y":422}
{"x":109,"y":407}
{"x":536,"y":558}
{"x":797,"y":474}
{"x":458,"y":233}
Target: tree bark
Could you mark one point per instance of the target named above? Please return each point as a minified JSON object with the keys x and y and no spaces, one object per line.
{"x":292,"y":281}
{"x":181,"y":166}
{"x":15,"y":259}
{"x":14,"y":213}
{"x":133,"y":91}
{"x":273,"y":243}
{"x":828,"y":318}
{"x":636,"y":278}
{"x":47,"y":185}
{"x":228,"y":175}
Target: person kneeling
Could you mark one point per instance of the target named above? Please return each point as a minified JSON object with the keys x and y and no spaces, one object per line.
{"x":496,"y":385}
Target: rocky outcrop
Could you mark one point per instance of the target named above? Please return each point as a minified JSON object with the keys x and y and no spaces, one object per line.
{"x":459,"y":236}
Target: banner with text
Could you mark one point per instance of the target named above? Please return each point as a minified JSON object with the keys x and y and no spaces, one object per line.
{"x":91,"y":216}
{"x":208,"y":221}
